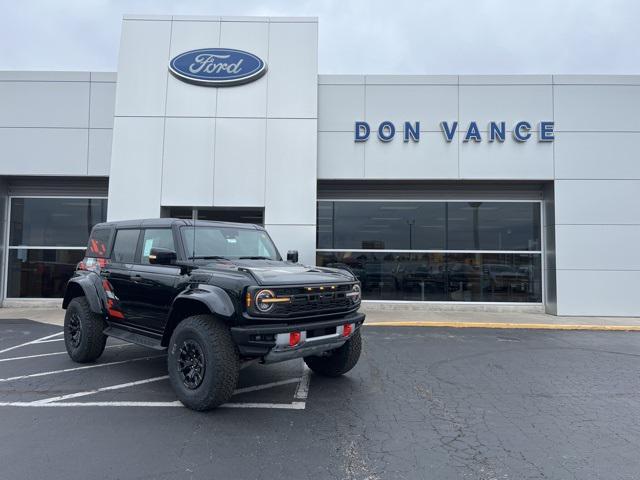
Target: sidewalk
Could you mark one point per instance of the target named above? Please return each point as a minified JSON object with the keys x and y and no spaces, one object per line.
{"x":421,"y":318}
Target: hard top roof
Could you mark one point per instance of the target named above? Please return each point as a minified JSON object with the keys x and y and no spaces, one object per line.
{"x":170,"y":222}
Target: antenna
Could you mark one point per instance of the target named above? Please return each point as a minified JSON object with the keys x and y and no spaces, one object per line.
{"x":194,"y":217}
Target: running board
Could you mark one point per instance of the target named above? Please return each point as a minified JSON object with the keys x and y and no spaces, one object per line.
{"x":131,"y":337}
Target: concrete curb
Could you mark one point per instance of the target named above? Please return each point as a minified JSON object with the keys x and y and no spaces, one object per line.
{"x":506,"y":325}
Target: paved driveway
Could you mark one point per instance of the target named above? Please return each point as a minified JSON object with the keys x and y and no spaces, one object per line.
{"x":422,"y":403}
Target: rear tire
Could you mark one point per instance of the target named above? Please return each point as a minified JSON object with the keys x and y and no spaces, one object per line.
{"x":83,"y":329}
{"x":203,"y":362}
{"x":339,"y":361}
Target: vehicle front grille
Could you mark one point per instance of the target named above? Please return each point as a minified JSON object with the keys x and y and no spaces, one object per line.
{"x":317,"y":299}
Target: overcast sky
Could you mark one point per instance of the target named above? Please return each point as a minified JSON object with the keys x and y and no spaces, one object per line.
{"x":359,"y":36}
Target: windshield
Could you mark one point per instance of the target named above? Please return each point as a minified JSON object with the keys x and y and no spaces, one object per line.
{"x":226,"y":242}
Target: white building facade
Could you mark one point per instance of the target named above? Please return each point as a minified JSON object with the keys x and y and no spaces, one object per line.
{"x":518,"y":191}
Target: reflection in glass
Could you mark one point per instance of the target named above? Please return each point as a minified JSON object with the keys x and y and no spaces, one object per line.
{"x":428,"y":225}
{"x":54,"y":221}
{"x":459,"y":277}
{"x":40,"y":273}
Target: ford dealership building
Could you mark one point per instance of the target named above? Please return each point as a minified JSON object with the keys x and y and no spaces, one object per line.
{"x":503,"y":191}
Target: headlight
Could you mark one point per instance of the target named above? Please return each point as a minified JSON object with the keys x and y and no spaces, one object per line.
{"x":265,"y":299}
{"x":355,"y":294}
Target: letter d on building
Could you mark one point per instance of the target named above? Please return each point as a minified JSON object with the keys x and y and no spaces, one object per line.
{"x":362,"y":132}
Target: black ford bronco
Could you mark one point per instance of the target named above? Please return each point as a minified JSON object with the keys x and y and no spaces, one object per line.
{"x":215,"y":295}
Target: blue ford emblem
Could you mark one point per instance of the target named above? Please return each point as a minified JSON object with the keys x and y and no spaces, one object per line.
{"x":217,"y":67}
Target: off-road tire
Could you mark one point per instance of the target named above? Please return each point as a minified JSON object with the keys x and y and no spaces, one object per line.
{"x":339,"y":361}
{"x":221,"y":362}
{"x":90,"y":344}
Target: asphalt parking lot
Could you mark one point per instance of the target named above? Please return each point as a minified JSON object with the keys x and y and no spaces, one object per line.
{"x":422,"y":403}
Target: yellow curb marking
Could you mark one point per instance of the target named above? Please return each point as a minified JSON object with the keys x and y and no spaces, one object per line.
{"x":532,"y":326}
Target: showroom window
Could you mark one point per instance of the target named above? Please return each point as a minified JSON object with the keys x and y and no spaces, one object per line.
{"x":458,"y":251}
{"x":47,"y":238}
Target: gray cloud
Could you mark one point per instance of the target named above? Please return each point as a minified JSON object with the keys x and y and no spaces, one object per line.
{"x":359,"y":36}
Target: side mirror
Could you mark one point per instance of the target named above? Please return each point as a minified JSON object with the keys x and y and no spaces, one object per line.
{"x":162,"y":256}
{"x":292,"y":256}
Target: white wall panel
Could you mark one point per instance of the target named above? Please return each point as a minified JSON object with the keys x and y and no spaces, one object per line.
{"x":598,"y":247}
{"x":44,"y":104}
{"x":43,"y":151}
{"x":185,"y":99}
{"x":597,"y":155}
{"x":293,"y":70}
{"x":432,"y":157}
{"x":295,"y":237}
{"x":290,"y":195}
{"x":239,"y":176}
{"x":509,"y":103}
{"x":597,"y":202}
{"x":142,"y":68}
{"x":510,"y":159}
{"x":136,"y":168}
{"x":250,"y":100}
{"x":429,"y":104}
{"x":99,"y":159}
{"x":187,"y":166}
{"x":339,"y":107}
{"x":103,"y":102}
{"x":598,"y":293}
{"x":597,"y":107}
{"x":339,"y":156}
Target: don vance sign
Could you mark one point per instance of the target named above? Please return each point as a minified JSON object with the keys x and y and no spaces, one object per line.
{"x":493,"y":132}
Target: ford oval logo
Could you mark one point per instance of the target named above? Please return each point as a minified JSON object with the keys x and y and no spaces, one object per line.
{"x":217,"y":67}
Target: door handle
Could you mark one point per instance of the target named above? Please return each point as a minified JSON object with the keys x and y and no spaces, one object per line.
{"x":137,"y":278}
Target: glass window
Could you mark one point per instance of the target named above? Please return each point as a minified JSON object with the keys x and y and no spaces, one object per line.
{"x":99,"y":243}
{"x":124,"y":247}
{"x":40,"y":273}
{"x":428,"y":225}
{"x":156,"y":238}
{"x":228,"y":242}
{"x":458,"y":277}
{"x":54,"y":221}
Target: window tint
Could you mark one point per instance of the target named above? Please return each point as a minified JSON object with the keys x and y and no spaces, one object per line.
{"x":124,"y":248}
{"x":429,"y":225}
{"x":99,"y":242}
{"x":156,"y":238}
{"x":55,"y":221}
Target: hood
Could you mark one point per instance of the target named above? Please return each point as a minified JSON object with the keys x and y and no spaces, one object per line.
{"x":275,"y":272}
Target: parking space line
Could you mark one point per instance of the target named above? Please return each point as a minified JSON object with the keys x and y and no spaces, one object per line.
{"x":32,"y":342}
{"x":176,"y":403}
{"x":98,"y":390}
{"x":302,"y":392}
{"x":49,"y":341}
{"x":25,"y":357}
{"x":85,"y":367}
{"x":264,"y":386}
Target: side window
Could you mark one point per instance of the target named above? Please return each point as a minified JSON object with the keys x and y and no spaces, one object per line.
{"x":99,"y":242}
{"x":124,"y":248}
{"x":156,"y":238}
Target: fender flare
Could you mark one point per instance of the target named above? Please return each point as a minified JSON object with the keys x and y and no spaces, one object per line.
{"x":209,"y":297}
{"x":91,"y":287}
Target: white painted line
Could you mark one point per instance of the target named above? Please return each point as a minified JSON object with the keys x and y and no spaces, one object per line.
{"x":56,"y":353}
{"x":283,"y":406}
{"x":302,"y":392}
{"x":48,"y":341}
{"x":266,"y":385}
{"x":276,"y":406}
{"x":31,"y":342}
{"x":98,"y":390}
{"x":86,"y":367}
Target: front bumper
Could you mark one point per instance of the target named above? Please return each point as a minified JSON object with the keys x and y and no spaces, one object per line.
{"x":271,"y":342}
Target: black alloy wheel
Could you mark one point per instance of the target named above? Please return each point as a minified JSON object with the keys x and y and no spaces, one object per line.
{"x":75,"y":330}
{"x":191,"y":364}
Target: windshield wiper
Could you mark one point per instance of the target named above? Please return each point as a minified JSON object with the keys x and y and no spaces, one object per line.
{"x":207,"y":257}
{"x":255,"y":257}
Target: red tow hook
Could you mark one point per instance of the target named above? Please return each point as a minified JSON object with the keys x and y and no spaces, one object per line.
{"x":347,"y":329}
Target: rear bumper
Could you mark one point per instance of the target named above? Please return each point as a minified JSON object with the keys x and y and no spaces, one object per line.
{"x":271,"y":342}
